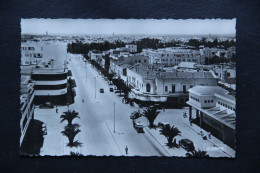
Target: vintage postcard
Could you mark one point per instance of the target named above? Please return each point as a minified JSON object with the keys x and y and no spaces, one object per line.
{"x":135,"y":87}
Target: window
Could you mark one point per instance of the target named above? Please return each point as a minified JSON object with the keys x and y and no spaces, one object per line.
{"x":148,"y":87}
{"x":205,"y":101}
{"x":184,"y":88}
{"x":166,"y":88}
{"x":211,"y":101}
{"x":228,"y":74}
{"x":139,"y":61}
{"x":191,"y":86}
{"x":173,"y":88}
{"x":145,"y":60}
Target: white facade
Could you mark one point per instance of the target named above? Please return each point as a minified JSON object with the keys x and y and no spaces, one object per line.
{"x":26,"y":104}
{"x":173,"y":56}
{"x":132,"y":48}
{"x":31,"y":52}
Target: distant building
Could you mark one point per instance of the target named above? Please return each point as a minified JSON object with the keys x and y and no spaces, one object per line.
{"x":95,"y":55}
{"x":26,"y":104}
{"x":215,"y":111}
{"x":132,"y":48}
{"x":225,"y":73}
{"x":31,"y":52}
{"x":173,"y":56}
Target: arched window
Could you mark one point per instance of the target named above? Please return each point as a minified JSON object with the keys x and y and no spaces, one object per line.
{"x":148,"y":87}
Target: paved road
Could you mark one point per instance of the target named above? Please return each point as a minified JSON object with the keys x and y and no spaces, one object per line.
{"x":97,"y":118}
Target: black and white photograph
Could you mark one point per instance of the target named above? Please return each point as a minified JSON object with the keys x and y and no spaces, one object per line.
{"x":128,"y":87}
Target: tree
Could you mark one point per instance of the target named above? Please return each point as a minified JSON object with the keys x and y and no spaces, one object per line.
{"x":199,"y":153}
{"x":71,"y":130}
{"x":151,"y":114}
{"x":69,"y":116}
{"x":170,"y":133}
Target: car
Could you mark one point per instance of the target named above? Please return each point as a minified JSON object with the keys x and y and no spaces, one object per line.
{"x":101,"y":90}
{"x":158,"y":106}
{"x":139,"y":127}
{"x":187,"y":144}
{"x":47,"y":105}
{"x":135,"y":115}
{"x":162,"y":124}
{"x":111,"y":89}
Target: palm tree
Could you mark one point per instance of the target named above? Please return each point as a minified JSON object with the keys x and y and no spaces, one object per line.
{"x":199,"y":153}
{"x":151,"y":114}
{"x":69,"y":116}
{"x":71,"y":131}
{"x":170,"y":133}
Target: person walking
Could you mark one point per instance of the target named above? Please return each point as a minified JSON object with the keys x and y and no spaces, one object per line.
{"x":56,"y":109}
{"x":209,"y":135}
{"x":126,"y":150}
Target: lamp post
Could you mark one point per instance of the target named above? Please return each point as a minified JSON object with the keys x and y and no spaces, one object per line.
{"x":114,"y":117}
{"x":95,"y":86}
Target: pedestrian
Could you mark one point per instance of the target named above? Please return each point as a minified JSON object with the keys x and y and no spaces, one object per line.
{"x":126,"y":150}
{"x":163,"y":109}
{"x":209,"y":135}
{"x":201,"y":133}
{"x":56,"y":109}
{"x":190,"y":122}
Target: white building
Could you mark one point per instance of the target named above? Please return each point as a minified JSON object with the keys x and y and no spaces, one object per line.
{"x":26,"y":104}
{"x":157,"y":85}
{"x":50,"y":75}
{"x":173,"y":56}
{"x":132,"y":48}
{"x":215,"y":111}
{"x":31,"y":52}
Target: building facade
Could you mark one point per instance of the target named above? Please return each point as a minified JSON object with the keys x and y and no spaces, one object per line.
{"x":215,"y":111}
{"x":26,"y":104}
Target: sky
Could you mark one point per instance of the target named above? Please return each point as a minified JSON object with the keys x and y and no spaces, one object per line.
{"x":129,"y":26}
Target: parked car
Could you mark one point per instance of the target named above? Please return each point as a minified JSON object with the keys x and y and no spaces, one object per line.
{"x":101,"y":90}
{"x":162,"y":124}
{"x":135,"y":115}
{"x":47,"y":105}
{"x":187,"y":144}
{"x":111,"y":89}
{"x":139,"y":127}
{"x":158,"y":106}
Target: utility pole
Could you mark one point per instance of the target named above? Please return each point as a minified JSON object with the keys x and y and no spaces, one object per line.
{"x":114,"y":117}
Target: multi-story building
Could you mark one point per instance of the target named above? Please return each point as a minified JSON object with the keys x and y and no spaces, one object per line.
{"x":31,"y":52}
{"x":173,"y":56}
{"x":26,"y":104}
{"x":50,"y":75}
{"x":156,"y":85}
{"x":215,"y":111}
{"x":132,"y":48}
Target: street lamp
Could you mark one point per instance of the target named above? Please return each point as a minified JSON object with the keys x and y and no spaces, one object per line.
{"x":114,"y":117}
{"x":95,"y":86}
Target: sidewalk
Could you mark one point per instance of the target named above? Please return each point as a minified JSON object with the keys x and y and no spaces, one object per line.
{"x":215,"y":141}
{"x":213,"y":146}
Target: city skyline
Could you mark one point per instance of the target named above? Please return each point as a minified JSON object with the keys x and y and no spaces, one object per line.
{"x":129,"y":26}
